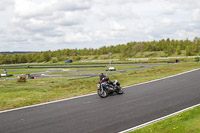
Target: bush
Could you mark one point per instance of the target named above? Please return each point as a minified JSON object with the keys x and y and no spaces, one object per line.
{"x":54,"y":59}
{"x":21,"y":79}
{"x":104,"y":57}
{"x":197,"y":59}
{"x":96,"y":57}
{"x":91,"y":58}
{"x":77,"y":58}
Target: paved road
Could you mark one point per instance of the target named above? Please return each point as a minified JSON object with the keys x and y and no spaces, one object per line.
{"x":92,"y":114}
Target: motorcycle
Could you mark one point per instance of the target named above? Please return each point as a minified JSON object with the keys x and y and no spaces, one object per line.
{"x":107,"y":88}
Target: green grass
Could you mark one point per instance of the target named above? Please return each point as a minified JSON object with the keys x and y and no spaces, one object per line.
{"x":150,"y":54}
{"x":22,"y":72}
{"x":8,"y":77}
{"x":14,"y":94}
{"x":186,"y":122}
{"x":17,"y":73}
{"x":106,"y":68}
{"x":25,"y":69}
{"x":90,"y":70}
{"x":80,"y":73}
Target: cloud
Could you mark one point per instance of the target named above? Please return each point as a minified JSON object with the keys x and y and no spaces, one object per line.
{"x":34,"y":8}
{"x":185,"y":4}
{"x":196,"y":15}
{"x":42,"y":25}
{"x":119,"y":2}
{"x":166,"y":21}
{"x":169,"y":10}
{"x":35,"y":16}
{"x":28,"y":8}
{"x":69,"y":18}
{"x":77,"y":37}
{"x":4,"y":4}
{"x":72,"y":5}
{"x":116,"y":26}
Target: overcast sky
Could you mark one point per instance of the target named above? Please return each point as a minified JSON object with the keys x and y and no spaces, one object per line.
{"x":40,"y":25}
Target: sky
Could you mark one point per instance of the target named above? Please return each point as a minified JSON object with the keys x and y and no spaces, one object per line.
{"x":41,"y":25}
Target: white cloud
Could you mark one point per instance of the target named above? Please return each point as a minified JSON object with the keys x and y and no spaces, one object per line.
{"x":196,"y":15}
{"x":169,"y":10}
{"x":185,"y":4}
{"x":5,"y":4}
{"x":31,"y":8}
{"x":116,"y":26}
{"x":42,"y":25}
{"x":72,"y":5}
{"x":77,"y":37}
{"x":69,"y":18}
{"x":28,"y":8}
{"x":166,"y":21}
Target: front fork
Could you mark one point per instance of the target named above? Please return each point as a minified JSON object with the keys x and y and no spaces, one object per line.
{"x":101,"y":88}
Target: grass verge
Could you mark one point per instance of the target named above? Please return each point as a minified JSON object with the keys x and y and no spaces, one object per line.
{"x":91,"y":70}
{"x":78,"y":73}
{"x":21,"y":72}
{"x":186,"y":122}
{"x":17,"y":73}
{"x":14,"y":94}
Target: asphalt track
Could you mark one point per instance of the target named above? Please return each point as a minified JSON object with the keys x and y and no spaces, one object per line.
{"x":91,"y":114}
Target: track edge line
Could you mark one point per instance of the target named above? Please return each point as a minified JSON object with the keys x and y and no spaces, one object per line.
{"x":159,"y":119}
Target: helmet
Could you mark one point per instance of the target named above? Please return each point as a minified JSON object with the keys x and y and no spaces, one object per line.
{"x":101,"y":75}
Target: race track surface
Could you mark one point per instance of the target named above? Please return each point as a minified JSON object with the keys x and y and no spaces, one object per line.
{"x":91,"y":114}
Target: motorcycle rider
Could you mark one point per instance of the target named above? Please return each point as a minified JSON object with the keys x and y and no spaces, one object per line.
{"x":104,"y":79}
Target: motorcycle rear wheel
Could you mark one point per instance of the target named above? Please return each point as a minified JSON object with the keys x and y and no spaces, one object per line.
{"x":119,"y":91}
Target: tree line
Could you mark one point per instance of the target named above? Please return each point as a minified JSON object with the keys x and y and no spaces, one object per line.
{"x":169,"y":47}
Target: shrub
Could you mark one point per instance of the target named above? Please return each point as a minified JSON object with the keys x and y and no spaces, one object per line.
{"x":197,"y":59}
{"x":21,"y":79}
{"x":54,"y":59}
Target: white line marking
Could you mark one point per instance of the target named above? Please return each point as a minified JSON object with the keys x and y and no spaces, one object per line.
{"x":162,"y":78}
{"x":91,"y":93}
{"x":157,"y":120}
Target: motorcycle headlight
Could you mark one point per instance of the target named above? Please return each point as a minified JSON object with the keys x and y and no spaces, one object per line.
{"x":98,"y":85}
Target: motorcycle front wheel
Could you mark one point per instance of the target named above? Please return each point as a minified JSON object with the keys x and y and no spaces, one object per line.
{"x":102,"y":93}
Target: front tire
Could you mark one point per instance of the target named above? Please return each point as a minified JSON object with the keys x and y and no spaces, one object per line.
{"x":102,"y":93}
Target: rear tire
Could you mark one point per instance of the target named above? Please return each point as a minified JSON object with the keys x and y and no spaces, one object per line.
{"x":102,"y":93}
{"x":119,"y":91}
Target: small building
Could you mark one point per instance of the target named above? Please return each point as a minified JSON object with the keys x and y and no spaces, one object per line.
{"x":5,"y":72}
{"x":68,"y":61}
{"x":3,"y":75}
